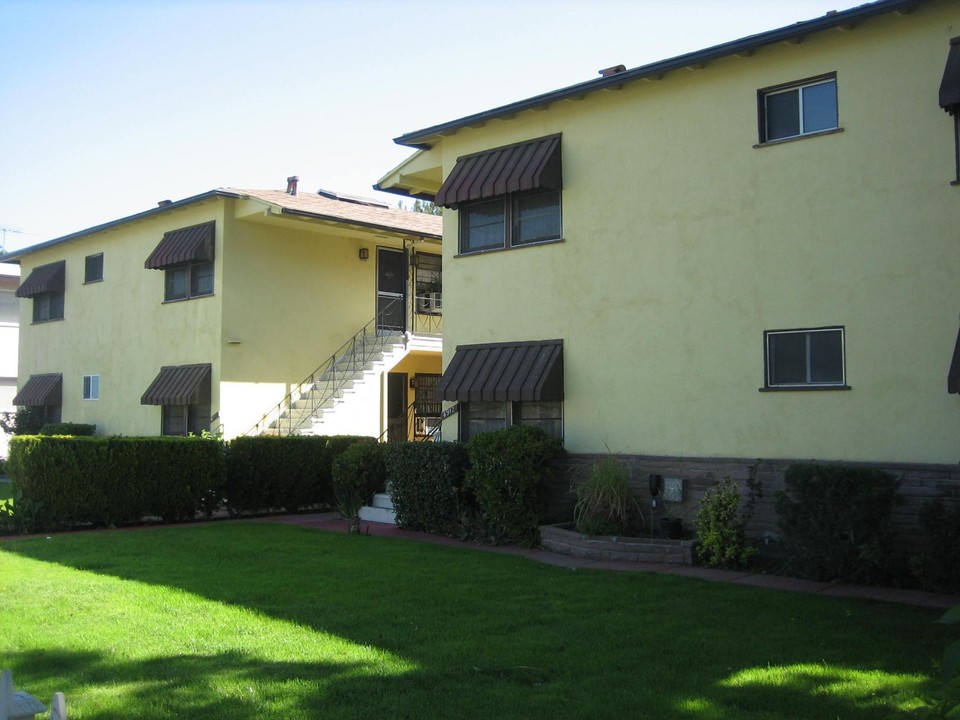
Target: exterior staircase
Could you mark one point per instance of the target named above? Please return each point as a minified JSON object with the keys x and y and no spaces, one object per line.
{"x":336,"y":388}
{"x":336,"y":402}
{"x":339,"y":396}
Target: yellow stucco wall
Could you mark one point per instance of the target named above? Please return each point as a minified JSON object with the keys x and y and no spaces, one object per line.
{"x":287,"y":294}
{"x":683,"y":243}
{"x":296,"y":292}
{"x":120,"y":328}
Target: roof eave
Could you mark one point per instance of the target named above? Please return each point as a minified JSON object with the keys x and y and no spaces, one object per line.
{"x":421,"y":139}
{"x":360,"y":223}
{"x":14,"y":257}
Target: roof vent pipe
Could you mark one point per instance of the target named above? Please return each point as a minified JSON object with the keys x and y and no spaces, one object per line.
{"x":615,"y":70}
{"x":164,"y":203}
{"x":292,"y":185}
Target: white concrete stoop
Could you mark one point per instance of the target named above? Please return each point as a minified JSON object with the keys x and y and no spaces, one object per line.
{"x":381,"y":511}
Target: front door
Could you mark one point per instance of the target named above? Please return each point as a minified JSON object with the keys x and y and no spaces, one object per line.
{"x":396,"y":407}
{"x":391,"y":290}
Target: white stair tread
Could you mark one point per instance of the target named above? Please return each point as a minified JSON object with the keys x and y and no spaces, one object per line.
{"x":378,"y":515}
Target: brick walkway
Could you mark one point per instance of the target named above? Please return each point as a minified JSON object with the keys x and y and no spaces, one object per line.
{"x":329,"y":522}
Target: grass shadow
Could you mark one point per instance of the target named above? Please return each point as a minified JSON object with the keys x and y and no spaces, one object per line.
{"x":471,"y":635}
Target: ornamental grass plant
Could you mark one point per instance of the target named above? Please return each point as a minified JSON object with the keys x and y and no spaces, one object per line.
{"x":606,"y":504}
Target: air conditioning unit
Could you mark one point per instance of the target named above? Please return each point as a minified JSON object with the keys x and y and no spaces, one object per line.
{"x":425,"y":425}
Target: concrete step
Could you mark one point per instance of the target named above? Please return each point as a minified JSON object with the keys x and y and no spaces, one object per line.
{"x":382,"y":500}
{"x":378,"y":515}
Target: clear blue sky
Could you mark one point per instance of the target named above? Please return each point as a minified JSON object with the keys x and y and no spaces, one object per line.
{"x":108,"y":106}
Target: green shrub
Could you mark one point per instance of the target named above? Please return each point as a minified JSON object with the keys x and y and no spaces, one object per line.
{"x":508,"y":470}
{"x":82,"y":429}
{"x":945,"y":700}
{"x":837,"y":522}
{"x":67,"y":481}
{"x":426,"y":485}
{"x":938,"y":566}
{"x":606,"y":504}
{"x":721,"y":528}
{"x":27,"y":420}
{"x":358,"y":473}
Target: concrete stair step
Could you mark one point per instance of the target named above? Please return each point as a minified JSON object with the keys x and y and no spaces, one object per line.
{"x":382,"y":500}
{"x":378,"y":515}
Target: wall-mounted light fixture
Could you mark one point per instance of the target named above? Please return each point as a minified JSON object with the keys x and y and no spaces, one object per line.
{"x":364,"y":253}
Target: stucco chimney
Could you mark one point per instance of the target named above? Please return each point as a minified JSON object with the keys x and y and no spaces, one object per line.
{"x":615,"y":70}
{"x":292,"y":185}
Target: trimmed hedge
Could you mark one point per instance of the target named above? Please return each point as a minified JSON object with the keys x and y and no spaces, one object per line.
{"x":65,"y":481}
{"x":426,"y":485}
{"x":837,"y":522}
{"x":507,"y":475}
{"x":938,"y":566}
{"x":268,"y":473}
{"x":75,"y":429}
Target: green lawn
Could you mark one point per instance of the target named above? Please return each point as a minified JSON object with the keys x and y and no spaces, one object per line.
{"x":242,"y":620}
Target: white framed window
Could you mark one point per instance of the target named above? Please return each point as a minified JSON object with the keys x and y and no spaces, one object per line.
{"x":485,"y":415}
{"x":188,"y":280}
{"x":808,"y":358}
{"x":801,"y":108}
{"x":91,"y":387}
{"x":48,"y":306}
{"x":93,"y":268}
{"x":185,"y":420}
{"x":513,"y":220}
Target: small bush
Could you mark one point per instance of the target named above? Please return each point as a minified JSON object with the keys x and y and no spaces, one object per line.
{"x":508,"y":469}
{"x":358,"y":473}
{"x":426,"y":485}
{"x":606,"y":504}
{"x":938,"y":567}
{"x":82,"y":429}
{"x":721,"y":528}
{"x":837,"y":522}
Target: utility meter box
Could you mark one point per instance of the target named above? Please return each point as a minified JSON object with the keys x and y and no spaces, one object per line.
{"x":673,"y":489}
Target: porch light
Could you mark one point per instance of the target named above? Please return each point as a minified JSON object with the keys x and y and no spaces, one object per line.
{"x":364,"y":254}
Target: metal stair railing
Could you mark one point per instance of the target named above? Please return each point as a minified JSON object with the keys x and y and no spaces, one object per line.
{"x":321,"y":387}
{"x":409,"y":422}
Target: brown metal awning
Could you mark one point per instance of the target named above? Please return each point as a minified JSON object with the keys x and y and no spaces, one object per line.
{"x":179,"y":385}
{"x":531,"y":165}
{"x":183,"y":245}
{"x":44,"y":279}
{"x":46,"y":389}
{"x":953,"y":376}
{"x":504,"y":372}
{"x":950,"y":84}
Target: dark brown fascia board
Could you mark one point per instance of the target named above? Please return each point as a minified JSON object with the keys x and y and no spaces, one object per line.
{"x":419,"y":138}
{"x":403,"y":192}
{"x":359,"y":223}
{"x":14,"y":257}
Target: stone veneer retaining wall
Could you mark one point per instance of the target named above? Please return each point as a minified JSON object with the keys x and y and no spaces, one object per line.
{"x":563,"y":539}
{"x":918,"y":483}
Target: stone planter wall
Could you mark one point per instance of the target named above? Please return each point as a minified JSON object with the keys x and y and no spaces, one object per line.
{"x":563,"y":539}
{"x":918,"y":483}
